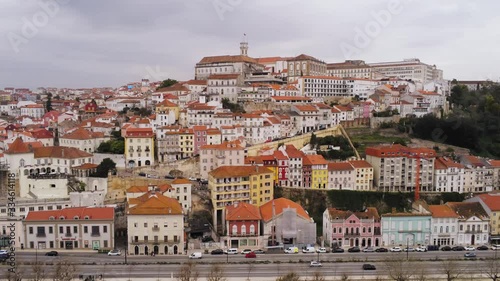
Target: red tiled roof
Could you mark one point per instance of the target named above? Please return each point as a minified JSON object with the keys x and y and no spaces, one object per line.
{"x":217,"y":59}
{"x":492,"y":200}
{"x":306,"y":108}
{"x":238,"y":171}
{"x":293,"y":152}
{"x":42,"y":134}
{"x":83,"y":134}
{"x":397,"y":150}
{"x":223,"y":76}
{"x":86,"y":166}
{"x":181,"y":181}
{"x":60,"y":152}
{"x":156,"y":204}
{"x":280,"y":204}
{"x":442,"y":211}
{"x":100,"y":213}
{"x":225,"y":145}
{"x":340,"y":166}
{"x":18,"y":146}
{"x":315,"y":160}
{"x":242,"y":212}
{"x":360,"y":164}
{"x":139,"y":133}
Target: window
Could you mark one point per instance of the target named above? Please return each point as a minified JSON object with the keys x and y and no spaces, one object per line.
{"x":30,"y":230}
{"x":235,"y":230}
{"x":51,"y":230}
{"x":146,"y":238}
{"x":75,"y":229}
{"x":85,"y":229}
{"x":61,"y":230}
{"x":105,"y":229}
{"x":175,"y":238}
{"x":145,"y":224}
{"x":95,"y":230}
{"x":165,"y":238}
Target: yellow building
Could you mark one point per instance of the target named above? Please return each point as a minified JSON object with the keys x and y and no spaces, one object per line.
{"x":139,"y":147}
{"x":166,"y":106}
{"x":230,"y":184}
{"x":319,"y":171}
{"x":186,"y":142}
{"x":364,"y":175}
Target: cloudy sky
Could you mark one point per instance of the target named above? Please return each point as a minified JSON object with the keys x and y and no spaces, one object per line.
{"x":77,"y":43}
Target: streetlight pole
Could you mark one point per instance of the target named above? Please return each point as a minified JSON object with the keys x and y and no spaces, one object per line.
{"x":407,"y":251}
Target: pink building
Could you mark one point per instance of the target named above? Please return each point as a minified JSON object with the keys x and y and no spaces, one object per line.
{"x":347,"y":228}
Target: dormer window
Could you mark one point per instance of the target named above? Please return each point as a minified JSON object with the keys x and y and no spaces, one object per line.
{"x":61,"y":217}
{"x":52,"y":218}
{"x":76,"y":218}
{"x":87,"y":217}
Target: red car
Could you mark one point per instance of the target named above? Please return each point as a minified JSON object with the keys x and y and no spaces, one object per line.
{"x":251,"y":255}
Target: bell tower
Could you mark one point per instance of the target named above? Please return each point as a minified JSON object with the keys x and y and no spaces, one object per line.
{"x":244,"y":46}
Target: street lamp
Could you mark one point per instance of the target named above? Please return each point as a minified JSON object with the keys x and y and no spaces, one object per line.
{"x":407,"y":244}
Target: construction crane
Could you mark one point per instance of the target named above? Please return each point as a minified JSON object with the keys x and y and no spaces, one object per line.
{"x":418,"y":157}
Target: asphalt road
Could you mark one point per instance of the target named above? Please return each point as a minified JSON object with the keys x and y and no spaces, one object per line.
{"x":255,"y":270}
{"x":92,"y":257}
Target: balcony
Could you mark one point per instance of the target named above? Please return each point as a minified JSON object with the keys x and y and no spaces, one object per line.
{"x":95,"y":234}
{"x":156,"y":228}
{"x":443,"y":235}
{"x":473,"y":231}
{"x":41,"y":234}
{"x":351,"y":235}
{"x":242,"y":234}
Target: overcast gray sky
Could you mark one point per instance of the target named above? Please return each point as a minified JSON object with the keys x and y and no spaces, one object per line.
{"x":109,"y":43}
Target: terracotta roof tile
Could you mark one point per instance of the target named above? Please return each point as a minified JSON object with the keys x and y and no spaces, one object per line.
{"x":340,"y":166}
{"x":139,"y":133}
{"x":266,"y":210}
{"x":492,"y":200}
{"x":360,"y":164}
{"x":18,"y":146}
{"x":238,"y":171}
{"x":442,"y":211}
{"x":60,"y":152}
{"x":156,"y":204}
{"x":98,"y":213}
{"x":242,"y":212}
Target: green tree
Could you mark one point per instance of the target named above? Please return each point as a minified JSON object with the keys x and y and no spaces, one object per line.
{"x":291,"y":276}
{"x":117,"y":147}
{"x":233,"y":107}
{"x":48,"y":103}
{"x":167,"y":83}
{"x":103,"y":169}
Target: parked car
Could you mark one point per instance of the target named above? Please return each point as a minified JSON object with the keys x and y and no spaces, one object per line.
{"x":315,"y":264}
{"x":3,"y":252}
{"x":114,"y":253}
{"x":458,"y":248}
{"x":495,"y":247}
{"x":482,"y":248}
{"x":231,"y":251}
{"x":469,"y":248}
{"x":321,"y":250}
{"x":251,"y":255}
{"x":421,"y":249}
{"x":368,"y":266}
{"x":368,"y":250}
{"x":307,"y":250}
{"x":52,"y":253}
{"x":337,"y":250}
{"x":246,"y":251}
{"x":142,"y":174}
{"x":409,"y":249}
{"x":169,"y":177}
{"x":292,"y":250}
{"x":396,"y":249}
{"x":432,"y":248}
{"x":150,"y":176}
{"x":259,"y":251}
{"x":446,"y":248}
{"x":354,"y":249}
{"x":217,"y":252}
{"x":195,"y":255}
{"x":470,"y":255}
{"x":381,"y":250}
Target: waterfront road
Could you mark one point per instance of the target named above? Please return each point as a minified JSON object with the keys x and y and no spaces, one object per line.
{"x":93,"y":257}
{"x":258,"y":270}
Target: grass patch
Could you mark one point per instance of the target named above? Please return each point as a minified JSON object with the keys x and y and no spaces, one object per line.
{"x":363,"y":140}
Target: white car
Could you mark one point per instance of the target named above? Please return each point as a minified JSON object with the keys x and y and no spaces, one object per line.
{"x":321,"y":250}
{"x":396,"y":249}
{"x":495,"y":247}
{"x":3,"y":252}
{"x":114,"y":253}
{"x":368,"y":250}
{"x":469,"y":248}
{"x":315,"y":264}
{"x":246,"y":251}
{"x":421,"y":249}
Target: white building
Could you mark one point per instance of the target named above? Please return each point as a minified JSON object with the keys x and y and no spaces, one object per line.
{"x":412,"y":69}
{"x":83,"y":139}
{"x":71,"y":228}
{"x":473,"y":223}
{"x":226,"y":154}
{"x":444,"y":225}
{"x":341,"y":176}
{"x":448,"y":175}
{"x":155,"y":225}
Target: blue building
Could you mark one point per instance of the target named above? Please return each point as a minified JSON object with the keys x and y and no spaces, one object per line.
{"x":400,"y":229}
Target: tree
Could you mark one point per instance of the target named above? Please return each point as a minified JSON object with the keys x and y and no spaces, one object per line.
{"x":317,"y":276}
{"x":313,"y":140}
{"x":167,"y":83}
{"x":491,"y":269}
{"x":103,"y":169}
{"x":233,"y":107}
{"x":48,"y":104}
{"x":250,"y":268}
{"x":64,"y":271}
{"x":291,"y":276}
{"x":399,"y":269}
{"x":188,"y":272}
{"x":16,"y":275}
{"x":451,"y":269}
{"x":38,"y":272}
{"x":216,"y":273}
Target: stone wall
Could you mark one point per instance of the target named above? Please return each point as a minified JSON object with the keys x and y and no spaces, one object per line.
{"x":375,"y":122}
{"x":297,"y":141}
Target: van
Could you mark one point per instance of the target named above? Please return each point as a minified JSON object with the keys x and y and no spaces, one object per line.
{"x":291,"y":250}
{"x":308,"y":250}
{"x":232,"y":251}
{"x":195,"y":255}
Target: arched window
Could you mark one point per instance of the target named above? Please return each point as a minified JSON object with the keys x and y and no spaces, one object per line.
{"x":369,"y":230}
{"x":235,"y":229}
{"x":364,"y":229}
{"x":252,"y":229}
{"x":243,"y":229}
{"x":21,"y":163}
{"x":441,"y":229}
